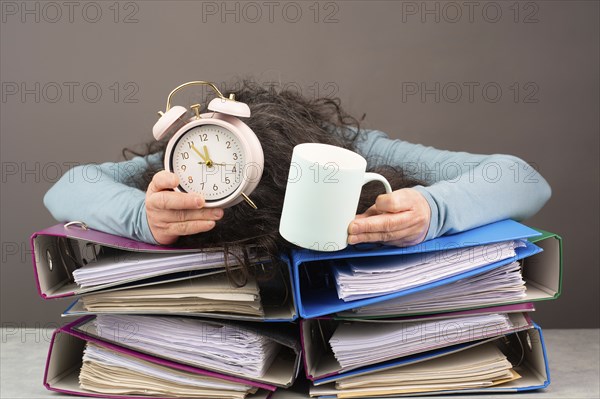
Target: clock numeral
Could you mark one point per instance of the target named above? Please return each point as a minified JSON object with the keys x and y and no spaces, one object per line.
{"x":202,"y":186}
{"x":190,"y":144}
{"x":235,"y":157}
{"x":234,"y":170}
{"x":190,"y":179}
{"x":217,"y":136}
{"x":227,"y":180}
{"x":204,"y":137}
{"x":183,"y":167}
{"x":215,"y":187}
{"x":185,"y":155}
{"x":228,"y":144}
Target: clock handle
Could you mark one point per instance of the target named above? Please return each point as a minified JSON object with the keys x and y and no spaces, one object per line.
{"x":193,"y":83}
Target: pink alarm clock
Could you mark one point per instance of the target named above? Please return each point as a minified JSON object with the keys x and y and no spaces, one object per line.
{"x":214,"y":154}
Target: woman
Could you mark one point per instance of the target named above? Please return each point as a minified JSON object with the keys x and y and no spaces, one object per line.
{"x":436,"y":192}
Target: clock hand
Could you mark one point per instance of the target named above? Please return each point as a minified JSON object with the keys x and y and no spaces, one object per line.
{"x":198,"y":152}
{"x":207,"y":159}
{"x":215,"y":163}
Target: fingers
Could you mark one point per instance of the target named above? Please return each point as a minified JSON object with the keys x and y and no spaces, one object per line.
{"x":163,"y":180}
{"x":399,"y":218}
{"x":172,"y":214}
{"x":187,"y":215}
{"x":171,"y":200}
{"x":397,"y":201}
{"x":404,"y":228}
{"x":380,"y":223}
{"x":369,"y":212}
{"x":409,"y":236}
{"x":188,"y":228}
{"x":159,"y":196}
{"x":167,"y":226}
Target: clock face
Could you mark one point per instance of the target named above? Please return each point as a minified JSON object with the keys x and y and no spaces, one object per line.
{"x":209,"y":159}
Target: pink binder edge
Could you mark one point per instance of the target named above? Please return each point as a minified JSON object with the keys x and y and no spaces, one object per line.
{"x":78,"y":393}
{"x":101,"y":237}
{"x":68,"y":329}
{"x":304,"y":362}
{"x":59,"y":230}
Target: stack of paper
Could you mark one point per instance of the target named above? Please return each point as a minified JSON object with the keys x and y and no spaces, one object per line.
{"x":358,"y":344}
{"x":501,"y":285}
{"x":213,"y":293}
{"x":112,"y":373}
{"x":117,"y":266}
{"x":371,"y":276}
{"x":226,"y":348}
{"x":478,"y":367}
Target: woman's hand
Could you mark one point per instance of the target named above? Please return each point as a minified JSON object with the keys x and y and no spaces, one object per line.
{"x":400,"y":218}
{"x":172,"y":214}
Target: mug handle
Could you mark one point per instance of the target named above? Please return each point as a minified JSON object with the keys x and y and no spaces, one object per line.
{"x":369,"y":176}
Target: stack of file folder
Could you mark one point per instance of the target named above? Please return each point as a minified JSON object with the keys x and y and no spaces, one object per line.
{"x":164,"y":322}
{"x":114,"y":274}
{"x":450,"y":315}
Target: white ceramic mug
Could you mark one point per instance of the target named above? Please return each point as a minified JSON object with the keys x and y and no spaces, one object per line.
{"x":322,"y":195}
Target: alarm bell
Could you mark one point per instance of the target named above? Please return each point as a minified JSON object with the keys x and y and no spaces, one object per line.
{"x":174,"y":118}
{"x":229,"y":106}
{"x":169,"y":122}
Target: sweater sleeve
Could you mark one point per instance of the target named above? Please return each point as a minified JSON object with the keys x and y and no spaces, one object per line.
{"x":463,"y":190}
{"x":99,"y":196}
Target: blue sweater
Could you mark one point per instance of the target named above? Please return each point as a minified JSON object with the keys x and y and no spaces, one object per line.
{"x":463,"y":190}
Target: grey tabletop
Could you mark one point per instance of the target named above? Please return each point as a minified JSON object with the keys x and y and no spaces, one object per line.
{"x":574,"y":357}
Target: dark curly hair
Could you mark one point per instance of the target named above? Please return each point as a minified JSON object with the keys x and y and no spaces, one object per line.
{"x":281,"y":119}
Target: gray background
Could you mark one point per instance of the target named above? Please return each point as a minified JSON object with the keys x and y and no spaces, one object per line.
{"x":543,"y":55}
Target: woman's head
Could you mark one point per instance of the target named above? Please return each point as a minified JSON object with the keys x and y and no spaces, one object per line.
{"x":281,"y":120}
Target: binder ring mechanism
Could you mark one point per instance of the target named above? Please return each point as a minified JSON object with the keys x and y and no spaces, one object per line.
{"x":64,"y":252}
{"x":76,"y":223}
{"x":49,"y":259}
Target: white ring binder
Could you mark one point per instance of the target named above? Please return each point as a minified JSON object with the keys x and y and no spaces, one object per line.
{"x":76,"y":223}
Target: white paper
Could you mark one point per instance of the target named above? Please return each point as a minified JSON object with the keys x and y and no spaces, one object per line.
{"x":501,"y":285}
{"x":358,"y":344}
{"x":374,"y":276}
{"x":212,"y":293}
{"x":115,"y":266}
{"x":108,"y":372}
{"x":476,"y":367}
{"x":231,"y":349}
{"x":108,"y":357}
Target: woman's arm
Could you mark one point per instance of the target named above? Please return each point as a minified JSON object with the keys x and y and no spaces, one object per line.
{"x":99,"y":196}
{"x":464,"y":190}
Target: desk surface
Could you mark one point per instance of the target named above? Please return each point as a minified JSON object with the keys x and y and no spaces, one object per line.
{"x":574,"y":357}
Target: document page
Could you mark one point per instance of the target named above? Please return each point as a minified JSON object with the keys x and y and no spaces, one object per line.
{"x":113,"y":373}
{"x":213,"y":293}
{"x":477,"y":367}
{"x":221,"y":347}
{"x":368,"y":277}
{"x":115,"y":266}
{"x":357,"y":344}
{"x":501,"y":285}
